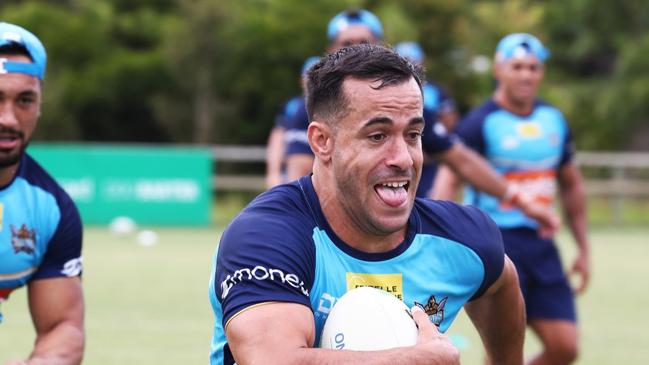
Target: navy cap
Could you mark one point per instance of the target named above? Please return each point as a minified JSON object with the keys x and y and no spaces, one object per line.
{"x":519,"y":45}
{"x":410,"y":50}
{"x":354,"y":17}
{"x":11,"y":34}
{"x":308,"y":63}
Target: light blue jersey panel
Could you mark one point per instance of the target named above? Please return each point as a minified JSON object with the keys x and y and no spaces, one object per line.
{"x":432,"y":266}
{"x":218,"y":334}
{"x":30,"y":216}
{"x":527,"y":151}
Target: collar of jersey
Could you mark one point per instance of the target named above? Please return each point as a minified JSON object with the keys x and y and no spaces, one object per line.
{"x":306,"y":186}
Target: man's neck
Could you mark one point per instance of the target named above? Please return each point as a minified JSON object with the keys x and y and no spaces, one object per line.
{"x":516,"y":107}
{"x":346,"y":229}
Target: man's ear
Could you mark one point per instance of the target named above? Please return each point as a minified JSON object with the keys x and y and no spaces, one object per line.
{"x":320,"y":138}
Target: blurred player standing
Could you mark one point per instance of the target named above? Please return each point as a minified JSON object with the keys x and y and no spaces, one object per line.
{"x":528,"y":141}
{"x":291,"y":112}
{"x":348,"y":27}
{"x":439,"y":113}
{"x":40,"y":228}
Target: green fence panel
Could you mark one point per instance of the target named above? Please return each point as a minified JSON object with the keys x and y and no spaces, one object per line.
{"x":151,"y":184}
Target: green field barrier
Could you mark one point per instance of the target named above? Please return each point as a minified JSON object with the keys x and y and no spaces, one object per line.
{"x":150,"y":184}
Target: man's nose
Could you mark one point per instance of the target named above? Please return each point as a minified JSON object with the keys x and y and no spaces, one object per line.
{"x":400,"y":154}
{"x":8,"y":117}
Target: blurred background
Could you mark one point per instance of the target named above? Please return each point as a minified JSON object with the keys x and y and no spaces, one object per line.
{"x":193,"y":86}
{"x":213,"y":72}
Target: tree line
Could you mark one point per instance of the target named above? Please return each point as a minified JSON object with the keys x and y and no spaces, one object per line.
{"x":216,"y":71}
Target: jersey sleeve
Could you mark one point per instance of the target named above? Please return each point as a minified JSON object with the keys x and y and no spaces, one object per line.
{"x":63,"y":256}
{"x":469,"y":130}
{"x":266,"y":254}
{"x":488,"y":244}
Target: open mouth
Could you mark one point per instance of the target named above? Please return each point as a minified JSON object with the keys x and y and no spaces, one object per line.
{"x":393,"y":193}
{"x":8,"y":141}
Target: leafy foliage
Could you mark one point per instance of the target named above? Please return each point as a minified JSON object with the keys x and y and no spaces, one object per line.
{"x":207,"y":71}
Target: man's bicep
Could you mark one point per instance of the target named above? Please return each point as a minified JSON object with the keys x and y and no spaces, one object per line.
{"x":269,"y":332}
{"x":56,"y":300}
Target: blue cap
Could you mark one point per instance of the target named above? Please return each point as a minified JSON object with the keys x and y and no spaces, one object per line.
{"x":308,"y":63}
{"x":12,"y":34}
{"x":410,"y":50}
{"x":354,"y":17}
{"x":519,"y":45}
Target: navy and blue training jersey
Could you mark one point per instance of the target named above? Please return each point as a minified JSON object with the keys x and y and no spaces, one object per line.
{"x":527,"y":150}
{"x":288,"y":110}
{"x":297,"y":124}
{"x":40,"y":229}
{"x":435,"y":138}
{"x":281,"y":248}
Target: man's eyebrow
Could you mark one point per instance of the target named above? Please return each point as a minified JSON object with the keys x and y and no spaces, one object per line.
{"x":377,"y":120}
{"x":388,"y":121}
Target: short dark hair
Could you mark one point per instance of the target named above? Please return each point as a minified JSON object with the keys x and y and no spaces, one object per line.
{"x":325,"y":96}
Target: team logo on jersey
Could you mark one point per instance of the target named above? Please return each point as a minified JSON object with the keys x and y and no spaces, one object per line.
{"x":434,"y":309}
{"x":529,"y":129}
{"x":23,"y":239}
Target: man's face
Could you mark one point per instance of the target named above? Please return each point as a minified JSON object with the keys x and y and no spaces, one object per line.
{"x":377,"y":154}
{"x":353,"y":34}
{"x":520,"y":78}
{"x":20,"y":102}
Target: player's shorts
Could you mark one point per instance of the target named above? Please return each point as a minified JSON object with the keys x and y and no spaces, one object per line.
{"x":543,"y":281}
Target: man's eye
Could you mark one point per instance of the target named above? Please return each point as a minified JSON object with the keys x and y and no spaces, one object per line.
{"x":414,"y":135}
{"x":26,"y":101}
{"x":378,"y":137}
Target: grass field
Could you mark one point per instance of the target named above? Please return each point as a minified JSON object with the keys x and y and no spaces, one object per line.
{"x":148,"y":305}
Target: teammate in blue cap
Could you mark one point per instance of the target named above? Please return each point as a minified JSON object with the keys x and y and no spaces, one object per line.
{"x":352,"y":26}
{"x":529,"y":142}
{"x":439,"y":112}
{"x":40,"y":228}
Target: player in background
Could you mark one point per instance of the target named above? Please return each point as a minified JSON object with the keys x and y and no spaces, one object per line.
{"x":528,"y":141}
{"x":358,"y":27}
{"x":40,"y":228}
{"x":352,"y":26}
{"x":291,"y":111}
{"x":439,"y":113}
{"x":285,"y":259}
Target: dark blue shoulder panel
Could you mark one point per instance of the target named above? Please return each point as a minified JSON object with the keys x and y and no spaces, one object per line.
{"x":267,"y":253}
{"x":470,"y":129}
{"x":66,"y":242}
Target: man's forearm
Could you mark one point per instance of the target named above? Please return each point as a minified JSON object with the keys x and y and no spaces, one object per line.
{"x":471,"y":167}
{"x":63,"y":345}
{"x":574,"y":204}
{"x":500,"y":320}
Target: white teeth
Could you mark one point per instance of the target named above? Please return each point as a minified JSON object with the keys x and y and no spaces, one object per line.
{"x":395,"y":184}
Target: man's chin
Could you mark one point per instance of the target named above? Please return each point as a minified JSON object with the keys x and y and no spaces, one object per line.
{"x":10,"y":158}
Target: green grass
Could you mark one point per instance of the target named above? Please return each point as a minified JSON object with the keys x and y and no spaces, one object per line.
{"x":148,"y":305}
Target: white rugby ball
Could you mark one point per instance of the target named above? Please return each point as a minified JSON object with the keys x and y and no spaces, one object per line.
{"x":367,"y":319}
